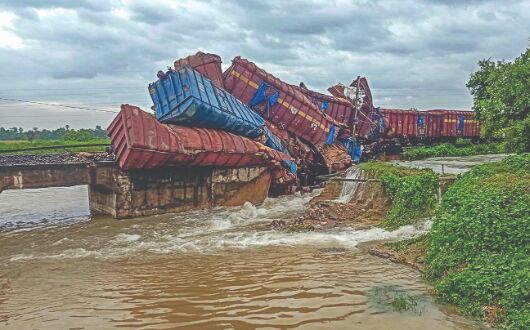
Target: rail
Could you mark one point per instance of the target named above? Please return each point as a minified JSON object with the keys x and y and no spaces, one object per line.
{"x":354,"y":180}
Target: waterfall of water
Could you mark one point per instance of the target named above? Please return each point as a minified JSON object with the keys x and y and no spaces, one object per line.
{"x":351,"y":188}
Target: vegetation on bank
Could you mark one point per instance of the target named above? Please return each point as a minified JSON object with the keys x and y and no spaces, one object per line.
{"x":479,"y":246}
{"x":413,"y":192}
{"x":392,"y":297}
{"x":61,"y":133}
{"x":9,"y":147}
{"x":502,"y":102}
{"x":477,"y":253}
{"x":13,"y":139}
{"x":462,"y":147}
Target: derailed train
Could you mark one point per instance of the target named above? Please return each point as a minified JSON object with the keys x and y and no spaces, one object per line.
{"x":260,"y":119}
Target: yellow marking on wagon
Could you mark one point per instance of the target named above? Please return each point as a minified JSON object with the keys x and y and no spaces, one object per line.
{"x":282,"y":102}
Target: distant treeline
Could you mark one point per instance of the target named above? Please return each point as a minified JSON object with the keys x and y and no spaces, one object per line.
{"x":62,"y":133}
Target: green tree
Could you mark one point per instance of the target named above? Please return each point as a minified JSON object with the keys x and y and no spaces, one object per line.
{"x":80,"y":135}
{"x":30,"y":135}
{"x":501,"y":99}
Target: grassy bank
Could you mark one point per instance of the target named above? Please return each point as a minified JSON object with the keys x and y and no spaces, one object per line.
{"x":461,"y":148}
{"x":477,"y":254}
{"x":10,"y":147}
{"x":413,"y":192}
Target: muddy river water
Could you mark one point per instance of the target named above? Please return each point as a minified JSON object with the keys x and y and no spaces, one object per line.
{"x":217,"y":269}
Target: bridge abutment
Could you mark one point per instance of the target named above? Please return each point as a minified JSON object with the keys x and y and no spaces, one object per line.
{"x":127,"y":194}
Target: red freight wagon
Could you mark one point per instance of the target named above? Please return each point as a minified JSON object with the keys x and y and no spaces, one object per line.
{"x":433,"y":122}
{"x":291,"y":110}
{"x":206,"y":64}
{"x":365,"y":121}
{"x":457,"y":123}
{"x":140,"y":141}
{"x":402,"y":123}
{"x":471,"y":124}
{"x":337,"y":108}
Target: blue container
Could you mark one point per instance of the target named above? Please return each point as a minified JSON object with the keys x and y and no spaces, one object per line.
{"x":275,"y":143}
{"x":185,"y":97}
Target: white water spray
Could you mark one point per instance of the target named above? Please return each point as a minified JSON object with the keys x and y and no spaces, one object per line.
{"x":351,"y":189}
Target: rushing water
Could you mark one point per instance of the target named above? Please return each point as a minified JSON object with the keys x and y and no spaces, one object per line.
{"x":221,"y":269}
{"x":350,"y":189}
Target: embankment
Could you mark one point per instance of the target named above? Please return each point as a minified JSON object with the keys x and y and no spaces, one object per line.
{"x":477,"y":253}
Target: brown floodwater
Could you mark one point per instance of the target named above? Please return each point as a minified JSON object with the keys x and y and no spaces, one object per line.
{"x":216,"y":269}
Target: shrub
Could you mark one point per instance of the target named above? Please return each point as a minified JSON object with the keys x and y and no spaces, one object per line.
{"x":461,"y":148}
{"x":480,"y":243}
{"x":413,"y":192}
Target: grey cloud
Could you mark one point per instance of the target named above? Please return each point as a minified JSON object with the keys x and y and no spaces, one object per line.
{"x":98,"y":5}
{"x":414,"y":53}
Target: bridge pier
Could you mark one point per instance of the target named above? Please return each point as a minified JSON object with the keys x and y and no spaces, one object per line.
{"x":127,"y":194}
{"x":167,"y":190}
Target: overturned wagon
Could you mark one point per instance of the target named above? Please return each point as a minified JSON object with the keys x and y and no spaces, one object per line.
{"x":206,"y":64}
{"x":140,"y":141}
{"x":277,"y":101}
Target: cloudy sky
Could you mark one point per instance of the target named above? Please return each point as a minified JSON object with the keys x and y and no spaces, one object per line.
{"x":99,"y":54}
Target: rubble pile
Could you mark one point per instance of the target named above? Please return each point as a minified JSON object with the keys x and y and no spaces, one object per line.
{"x":364,"y":210}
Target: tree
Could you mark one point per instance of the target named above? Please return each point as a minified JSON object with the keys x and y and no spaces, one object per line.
{"x":73,"y":135}
{"x":501,"y":99}
{"x":30,"y":135}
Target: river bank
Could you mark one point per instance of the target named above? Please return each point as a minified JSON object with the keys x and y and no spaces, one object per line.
{"x":476,"y":255}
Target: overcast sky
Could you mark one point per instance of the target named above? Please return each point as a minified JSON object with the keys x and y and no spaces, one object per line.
{"x":99,"y":54}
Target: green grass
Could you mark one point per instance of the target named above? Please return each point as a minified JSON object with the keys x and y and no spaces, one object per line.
{"x":12,"y":146}
{"x":452,"y":150}
{"x":406,"y":244}
{"x":479,"y":246}
{"x":413,"y":192}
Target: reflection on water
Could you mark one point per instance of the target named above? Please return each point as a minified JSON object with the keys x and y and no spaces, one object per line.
{"x":221,"y":269}
{"x":43,"y":207}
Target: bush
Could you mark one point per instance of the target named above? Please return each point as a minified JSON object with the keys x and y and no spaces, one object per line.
{"x":461,"y":142}
{"x":479,"y":243}
{"x":81,"y":135}
{"x":461,"y":148}
{"x":413,"y":192}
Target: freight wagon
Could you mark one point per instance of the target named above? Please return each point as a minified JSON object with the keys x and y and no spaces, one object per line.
{"x":281,"y":103}
{"x":365,"y":121}
{"x":338,"y":108}
{"x":185,"y":97}
{"x":140,"y":141}
{"x":454,"y":123}
{"x":413,"y":126}
{"x":209,"y":65}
